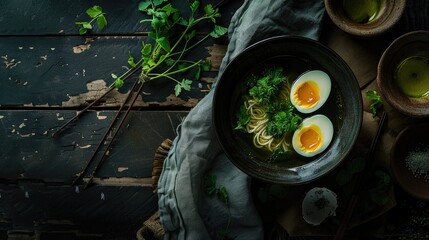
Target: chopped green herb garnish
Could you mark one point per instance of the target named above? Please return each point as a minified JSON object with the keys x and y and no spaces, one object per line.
{"x":282,"y":119}
{"x":376,"y":100}
{"x":268,"y":86}
{"x":243,"y":117}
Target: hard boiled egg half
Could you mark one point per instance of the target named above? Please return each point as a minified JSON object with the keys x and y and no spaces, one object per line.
{"x":310,"y":91}
{"x":314,"y":135}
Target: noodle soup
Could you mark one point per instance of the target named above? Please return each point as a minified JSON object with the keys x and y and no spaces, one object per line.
{"x":256,"y":136}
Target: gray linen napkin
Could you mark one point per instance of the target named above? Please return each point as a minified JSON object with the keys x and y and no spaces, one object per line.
{"x":186,"y":211}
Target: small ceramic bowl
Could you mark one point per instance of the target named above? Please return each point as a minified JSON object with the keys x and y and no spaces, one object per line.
{"x":352,"y":17}
{"x":404,"y":62}
{"x":409,"y":151}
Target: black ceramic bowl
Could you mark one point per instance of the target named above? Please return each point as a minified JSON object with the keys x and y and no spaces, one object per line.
{"x":296,"y":55}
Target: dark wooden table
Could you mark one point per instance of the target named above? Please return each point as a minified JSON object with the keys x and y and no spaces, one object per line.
{"x":48,"y":72}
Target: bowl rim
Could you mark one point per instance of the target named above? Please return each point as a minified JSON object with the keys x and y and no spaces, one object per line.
{"x":409,"y":108}
{"x":394,"y":164}
{"x":274,"y":177}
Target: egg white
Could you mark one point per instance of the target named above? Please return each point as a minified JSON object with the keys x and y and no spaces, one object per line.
{"x":323,"y":82}
{"x":327,"y":132}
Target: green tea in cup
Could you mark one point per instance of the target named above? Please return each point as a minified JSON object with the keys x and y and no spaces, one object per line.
{"x":363,"y":11}
{"x":412,"y":76}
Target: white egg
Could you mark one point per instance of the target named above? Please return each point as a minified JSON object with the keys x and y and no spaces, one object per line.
{"x":310,"y":91}
{"x":314,"y":135}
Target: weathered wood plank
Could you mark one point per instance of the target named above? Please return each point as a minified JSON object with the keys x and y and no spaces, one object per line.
{"x":72,"y":71}
{"x":21,"y":17}
{"x":99,"y":210}
{"x":27,"y":150}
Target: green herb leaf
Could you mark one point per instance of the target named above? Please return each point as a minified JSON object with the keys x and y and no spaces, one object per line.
{"x":206,"y":65}
{"x":146,"y":49}
{"x":177,"y":89}
{"x":83,"y":31}
{"x":222,"y":194}
{"x":278,"y":155}
{"x":209,"y":10}
{"x":101,"y":22}
{"x":283,"y":122}
{"x":131,"y":60}
{"x":118,"y":83}
{"x":169,"y":9}
{"x":194,"y":6}
{"x":218,"y":31}
{"x":268,"y":85}
{"x":114,"y":76}
{"x":198,"y":73}
{"x":186,"y":84}
{"x":190,"y":35}
{"x":376,"y":100}
{"x":158,"y":2}
{"x":169,"y":61}
{"x":143,"y":5}
{"x":164,"y":43}
{"x":87,"y":25}
{"x":210,"y":184}
{"x":282,"y":119}
{"x":383,"y":177}
{"x":182,"y":66}
{"x":243,"y":118}
{"x":94,"y":11}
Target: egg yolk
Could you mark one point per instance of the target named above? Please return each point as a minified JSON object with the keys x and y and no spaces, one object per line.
{"x":310,"y":138}
{"x":307,"y":94}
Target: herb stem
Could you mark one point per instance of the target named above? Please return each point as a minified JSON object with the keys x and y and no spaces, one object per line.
{"x":157,"y":75}
{"x":177,"y":71}
{"x":192,"y":46}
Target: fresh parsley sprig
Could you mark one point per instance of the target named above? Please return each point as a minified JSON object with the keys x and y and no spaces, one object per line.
{"x":96,"y":14}
{"x":376,"y":101}
{"x":221,"y":193}
{"x":171,"y":36}
{"x":164,"y":56}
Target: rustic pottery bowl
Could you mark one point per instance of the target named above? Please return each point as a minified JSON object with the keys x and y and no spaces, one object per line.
{"x":343,"y":107}
{"x":411,"y":44}
{"x":404,"y":167}
{"x":385,"y":18}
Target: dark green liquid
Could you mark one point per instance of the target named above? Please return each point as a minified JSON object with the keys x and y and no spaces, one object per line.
{"x":363,"y":11}
{"x":412,"y":76}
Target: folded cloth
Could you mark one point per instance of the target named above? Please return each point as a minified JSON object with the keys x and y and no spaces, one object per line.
{"x":187,"y":212}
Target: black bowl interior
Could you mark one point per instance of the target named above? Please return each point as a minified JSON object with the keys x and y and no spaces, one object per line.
{"x":296,"y":55}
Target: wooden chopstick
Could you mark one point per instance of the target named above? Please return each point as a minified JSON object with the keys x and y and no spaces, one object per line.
{"x":81,"y":174}
{"x":358,"y":183}
{"x":63,"y":127}
{"x":91,"y":177}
